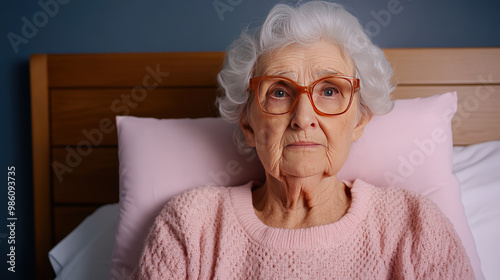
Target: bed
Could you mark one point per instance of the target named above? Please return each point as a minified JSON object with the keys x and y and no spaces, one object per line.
{"x":76,"y":97}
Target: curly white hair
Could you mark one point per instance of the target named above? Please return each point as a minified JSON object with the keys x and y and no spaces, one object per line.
{"x":305,"y":24}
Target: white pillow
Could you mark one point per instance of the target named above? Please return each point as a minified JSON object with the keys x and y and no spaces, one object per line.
{"x":477,"y":168}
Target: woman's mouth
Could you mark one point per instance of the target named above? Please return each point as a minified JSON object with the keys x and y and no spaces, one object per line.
{"x":303,"y":144}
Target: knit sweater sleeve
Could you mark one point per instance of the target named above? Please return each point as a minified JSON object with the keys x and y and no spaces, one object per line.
{"x":431,"y":248}
{"x":164,"y":255}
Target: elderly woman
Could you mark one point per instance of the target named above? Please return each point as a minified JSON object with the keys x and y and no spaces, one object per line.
{"x":302,"y":88}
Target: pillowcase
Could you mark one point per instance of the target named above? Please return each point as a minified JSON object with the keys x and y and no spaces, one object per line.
{"x":409,"y":147}
{"x":163,"y":158}
{"x":476,"y":167}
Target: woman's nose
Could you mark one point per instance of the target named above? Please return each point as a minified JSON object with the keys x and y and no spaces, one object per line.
{"x":304,"y":115}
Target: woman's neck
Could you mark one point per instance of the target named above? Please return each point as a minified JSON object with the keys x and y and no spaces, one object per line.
{"x":301,"y":202}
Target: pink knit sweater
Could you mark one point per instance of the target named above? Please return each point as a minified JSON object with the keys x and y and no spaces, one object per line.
{"x":213,"y":233}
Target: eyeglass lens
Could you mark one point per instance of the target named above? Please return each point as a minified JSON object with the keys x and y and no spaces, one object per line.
{"x":330,"y":95}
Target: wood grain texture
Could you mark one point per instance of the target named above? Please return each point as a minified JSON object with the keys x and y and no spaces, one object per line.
{"x":41,"y":164}
{"x":477,"y":119}
{"x":184,"y":69}
{"x":93,"y":177}
{"x":445,"y":66}
{"x":78,"y":113}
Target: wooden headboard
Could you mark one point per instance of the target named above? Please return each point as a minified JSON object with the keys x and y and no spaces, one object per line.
{"x":75,"y":97}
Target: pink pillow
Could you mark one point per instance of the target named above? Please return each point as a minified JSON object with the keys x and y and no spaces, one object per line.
{"x":163,"y":158}
{"x":410,"y":147}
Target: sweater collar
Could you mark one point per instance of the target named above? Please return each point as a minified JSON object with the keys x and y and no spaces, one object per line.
{"x":304,"y":238}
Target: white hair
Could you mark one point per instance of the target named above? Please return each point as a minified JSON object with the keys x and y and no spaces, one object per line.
{"x":304,"y":24}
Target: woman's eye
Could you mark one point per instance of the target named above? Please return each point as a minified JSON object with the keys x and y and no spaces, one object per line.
{"x":279,"y":93}
{"x":330,"y":91}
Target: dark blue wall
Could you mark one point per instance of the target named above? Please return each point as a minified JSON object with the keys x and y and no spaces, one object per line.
{"x":77,"y":26}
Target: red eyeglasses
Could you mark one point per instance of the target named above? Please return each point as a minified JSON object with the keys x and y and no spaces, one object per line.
{"x":330,"y":96}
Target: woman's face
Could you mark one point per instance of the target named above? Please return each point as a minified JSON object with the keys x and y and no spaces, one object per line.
{"x":302,"y":143}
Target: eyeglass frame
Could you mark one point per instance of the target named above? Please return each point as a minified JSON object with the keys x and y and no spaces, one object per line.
{"x":255,"y":82}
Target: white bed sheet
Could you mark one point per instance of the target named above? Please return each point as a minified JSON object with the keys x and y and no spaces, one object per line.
{"x":86,"y":252}
{"x":477,"y":168}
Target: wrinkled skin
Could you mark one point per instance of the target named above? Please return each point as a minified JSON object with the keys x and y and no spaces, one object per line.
{"x":302,"y":151}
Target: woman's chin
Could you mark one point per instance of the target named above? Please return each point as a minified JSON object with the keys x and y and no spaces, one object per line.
{"x":302,"y":168}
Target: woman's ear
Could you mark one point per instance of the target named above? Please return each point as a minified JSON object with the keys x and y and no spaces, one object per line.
{"x":247,"y":129}
{"x":360,"y":126}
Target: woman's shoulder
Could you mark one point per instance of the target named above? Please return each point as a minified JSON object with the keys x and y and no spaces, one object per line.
{"x":402,"y":205}
{"x":203,"y":193}
{"x":199,"y":205}
{"x":407,"y":200}
{"x":198,"y":199}
{"x":419,"y":230}
{"x":408,"y":211}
